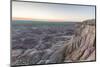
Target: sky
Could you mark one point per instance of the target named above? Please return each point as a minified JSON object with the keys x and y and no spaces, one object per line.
{"x":51,"y":12}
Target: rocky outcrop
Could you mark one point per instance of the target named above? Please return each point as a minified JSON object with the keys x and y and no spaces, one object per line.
{"x":83,"y":43}
{"x":79,"y":47}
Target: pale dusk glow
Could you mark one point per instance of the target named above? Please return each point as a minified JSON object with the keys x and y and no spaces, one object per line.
{"x":56,"y":12}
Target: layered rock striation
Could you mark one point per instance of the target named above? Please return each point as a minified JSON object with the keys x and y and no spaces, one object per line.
{"x":83,"y":43}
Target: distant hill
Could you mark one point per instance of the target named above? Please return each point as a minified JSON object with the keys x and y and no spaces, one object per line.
{"x":40,"y":23}
{"x":90,"y":22}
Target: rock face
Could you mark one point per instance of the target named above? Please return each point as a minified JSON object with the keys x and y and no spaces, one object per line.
{"x":72,"y":48}
{"x":83,"y":43}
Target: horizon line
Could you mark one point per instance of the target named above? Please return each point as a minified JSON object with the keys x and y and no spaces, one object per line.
{"x":52,"y":20}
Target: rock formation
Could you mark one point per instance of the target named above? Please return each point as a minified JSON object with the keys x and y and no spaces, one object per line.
{"x":80,"y":47}
{"x":83,"y":43}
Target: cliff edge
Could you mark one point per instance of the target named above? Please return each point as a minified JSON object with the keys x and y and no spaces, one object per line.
{"x":83,"y":43}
